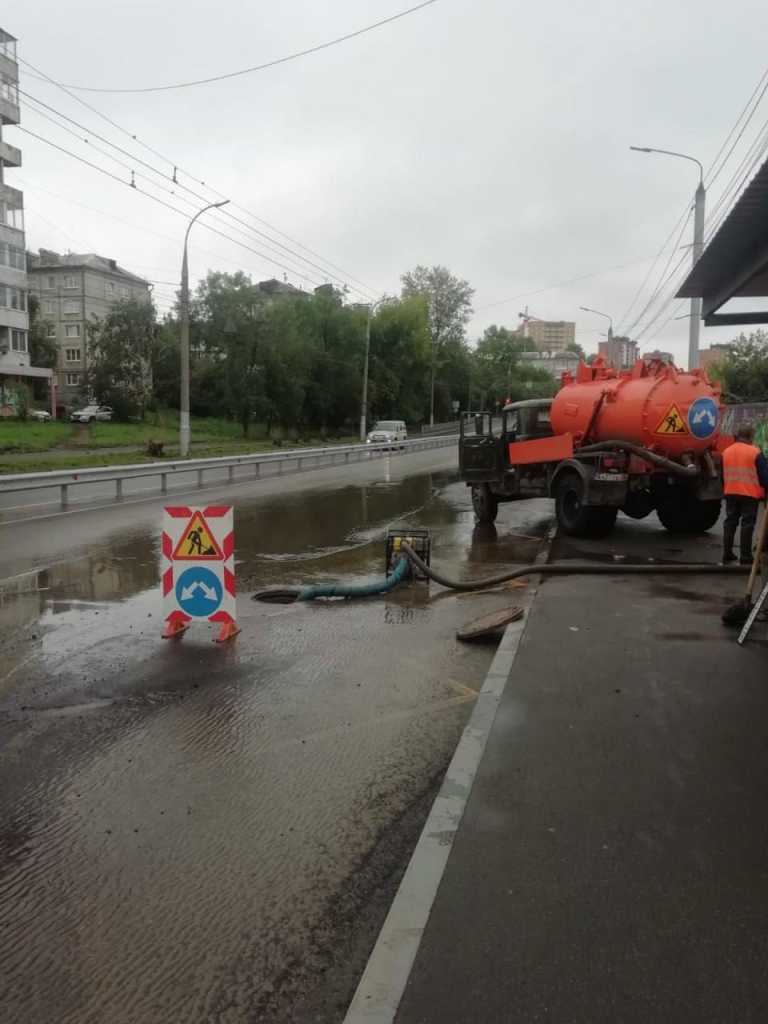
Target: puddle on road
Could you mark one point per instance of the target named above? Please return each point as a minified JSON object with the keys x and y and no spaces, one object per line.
{"x":191,"y":807}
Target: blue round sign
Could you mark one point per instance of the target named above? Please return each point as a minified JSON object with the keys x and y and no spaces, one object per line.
{"x":703,"y":417}
{"x":199,"y":592}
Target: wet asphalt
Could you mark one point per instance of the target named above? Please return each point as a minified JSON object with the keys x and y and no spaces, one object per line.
{"x":202,"y":833}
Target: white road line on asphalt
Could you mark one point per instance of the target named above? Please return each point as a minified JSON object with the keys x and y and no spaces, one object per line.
{"x":382,"y":985}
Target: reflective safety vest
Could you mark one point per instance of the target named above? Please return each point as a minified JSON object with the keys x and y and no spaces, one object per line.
{"x":740,"y":472}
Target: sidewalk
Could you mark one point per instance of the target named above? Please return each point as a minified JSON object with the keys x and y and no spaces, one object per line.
{"x":612,"y":861}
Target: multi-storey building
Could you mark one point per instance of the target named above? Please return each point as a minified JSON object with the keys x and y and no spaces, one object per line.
{"x":549,"y":335}
{"x":71,"y":289}
{"x":15,"y":366}
{"x":619,"y":351}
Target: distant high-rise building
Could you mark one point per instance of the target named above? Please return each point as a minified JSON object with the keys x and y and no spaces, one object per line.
{"x":549,"y":335}
{"x":15,"y":369}
{"x":619,"y":351}
{"x":71,"y":289}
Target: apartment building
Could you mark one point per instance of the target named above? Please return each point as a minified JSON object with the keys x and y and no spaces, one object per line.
{"x":15,"y":368}
{"x":71,"y":289}
{"x":550,"y":335}
{"x":619,"y":351}
{"x":555,"y":363}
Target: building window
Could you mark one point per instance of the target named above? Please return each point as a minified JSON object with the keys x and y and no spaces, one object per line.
{"x":71,"y":330}
{"x":72,"y":355}
{"x":51,"y":331}
{"x":13,"y":298}
{"x":72,"y":379}
{"x":70,"y":281}
{"x":125,"y":293}
{"x":50,"y":282}
{"x":71,"y":306}
{"x":49,"y":306}
{"x":19,"y":341}
{"x":11,"y":256}
{"x":109,"y":288}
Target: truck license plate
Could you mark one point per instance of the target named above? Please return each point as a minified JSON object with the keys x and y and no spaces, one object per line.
{"x":612,"y":478}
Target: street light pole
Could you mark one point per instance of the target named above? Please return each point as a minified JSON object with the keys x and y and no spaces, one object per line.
{"x":694,"y":327}
{"x":364,"y":396}
{"x":607,"y":316}
{"x":184,"y":431}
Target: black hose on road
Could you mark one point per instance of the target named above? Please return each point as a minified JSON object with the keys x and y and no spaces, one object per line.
{"x":574,"y":569}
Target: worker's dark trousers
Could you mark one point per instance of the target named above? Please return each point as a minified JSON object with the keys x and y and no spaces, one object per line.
{"x":739,"y":507}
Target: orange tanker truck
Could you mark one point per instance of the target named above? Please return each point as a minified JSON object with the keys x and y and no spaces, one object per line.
{"x":636,"y":441}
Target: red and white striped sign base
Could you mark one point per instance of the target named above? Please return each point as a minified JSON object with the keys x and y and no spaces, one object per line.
{"x":199,"y":569}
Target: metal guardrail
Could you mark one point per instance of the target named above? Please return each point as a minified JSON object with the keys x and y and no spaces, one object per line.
{"x":333,"y":454}
{"x":440,"y":428}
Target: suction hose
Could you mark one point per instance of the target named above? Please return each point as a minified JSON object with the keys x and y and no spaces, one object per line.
{"x":573,"y":569}
{"x":644,"y":453}
{"x":287,"y":595}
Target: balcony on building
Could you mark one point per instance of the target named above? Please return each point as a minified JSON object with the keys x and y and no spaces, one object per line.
{"x":11,"y":209}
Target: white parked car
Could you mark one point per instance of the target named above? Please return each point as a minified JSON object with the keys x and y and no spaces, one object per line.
{"x":387,"y":432}
{"x":39,"y":414}
{"x":90,"y":413}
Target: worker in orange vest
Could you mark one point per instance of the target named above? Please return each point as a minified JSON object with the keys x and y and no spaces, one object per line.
{"x":745,"y":482}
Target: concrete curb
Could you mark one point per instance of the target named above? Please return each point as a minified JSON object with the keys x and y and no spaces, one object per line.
{"x":382,"y":985}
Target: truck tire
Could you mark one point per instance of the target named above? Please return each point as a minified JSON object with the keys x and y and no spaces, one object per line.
{"x":574,"y":517}
{"x":638,"y":505}
{"x":485,"y":503}
{"x":681,"y":512}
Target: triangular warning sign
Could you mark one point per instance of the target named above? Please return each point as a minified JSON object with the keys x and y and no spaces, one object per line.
{"x":672,"y":422}
{"x":197,"y":543}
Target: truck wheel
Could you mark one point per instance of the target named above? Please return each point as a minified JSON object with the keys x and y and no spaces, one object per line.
{"x":485,"y":503}
{"x":638,"y":505}
{"x":574,"y":517}
{"x":683,"y":513}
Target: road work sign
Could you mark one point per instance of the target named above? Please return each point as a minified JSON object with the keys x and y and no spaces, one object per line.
{"x":703,"y":417}
{"x":671,"y":422}
{"x":199,"y":569}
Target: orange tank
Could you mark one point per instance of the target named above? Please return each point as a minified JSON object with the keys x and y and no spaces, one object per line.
{"x":670,"y":411}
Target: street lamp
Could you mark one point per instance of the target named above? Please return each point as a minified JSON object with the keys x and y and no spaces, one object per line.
{"x":698,"y":244}
{"x":607,"y":316}
{"x":184,"y":431}
{"x":364,"y":396}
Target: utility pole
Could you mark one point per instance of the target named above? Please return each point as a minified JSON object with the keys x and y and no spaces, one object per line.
{"x":184,"y":431}
{"x":694,"y":327}
{"x":364,"y":398}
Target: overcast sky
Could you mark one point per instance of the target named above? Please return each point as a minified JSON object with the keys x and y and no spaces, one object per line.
{"x":489,"y":136}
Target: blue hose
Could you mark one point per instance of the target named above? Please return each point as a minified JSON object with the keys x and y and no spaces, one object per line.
{"x":399,"y":573}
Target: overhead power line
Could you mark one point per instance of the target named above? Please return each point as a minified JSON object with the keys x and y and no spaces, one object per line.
{"x":162,"y":202}
{"x":268,"y":64}
{"x":173,"y":175}
{"x":262,"y":236}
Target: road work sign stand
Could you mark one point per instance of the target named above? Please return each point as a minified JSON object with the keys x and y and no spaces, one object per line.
{"x":199,"y":569}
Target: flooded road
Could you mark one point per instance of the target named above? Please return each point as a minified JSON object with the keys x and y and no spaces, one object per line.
{"x":202,"y":833}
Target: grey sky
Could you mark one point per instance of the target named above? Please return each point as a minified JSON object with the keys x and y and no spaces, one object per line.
{"x":490,"y":136}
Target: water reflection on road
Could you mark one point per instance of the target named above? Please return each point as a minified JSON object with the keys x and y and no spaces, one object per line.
{"x":191,"y":832}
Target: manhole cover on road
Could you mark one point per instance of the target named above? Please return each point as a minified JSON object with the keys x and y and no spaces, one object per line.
{"x":488,"y":627}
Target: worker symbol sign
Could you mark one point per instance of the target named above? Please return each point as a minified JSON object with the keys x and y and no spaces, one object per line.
{"x":671,"y":422}
{"x":197,"y":541}
{"x":199,"y":568}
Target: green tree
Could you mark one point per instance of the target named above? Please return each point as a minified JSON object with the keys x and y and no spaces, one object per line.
{"x":743,"y":370}
{"x":399,"y":360}
{"x":121,"y":349}
{"x":574,"y":346}
{"x":42,"y":348}
{"x":449,"y":307}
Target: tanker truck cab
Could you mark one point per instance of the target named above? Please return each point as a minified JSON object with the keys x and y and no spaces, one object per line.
{"x":634,"y":441}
